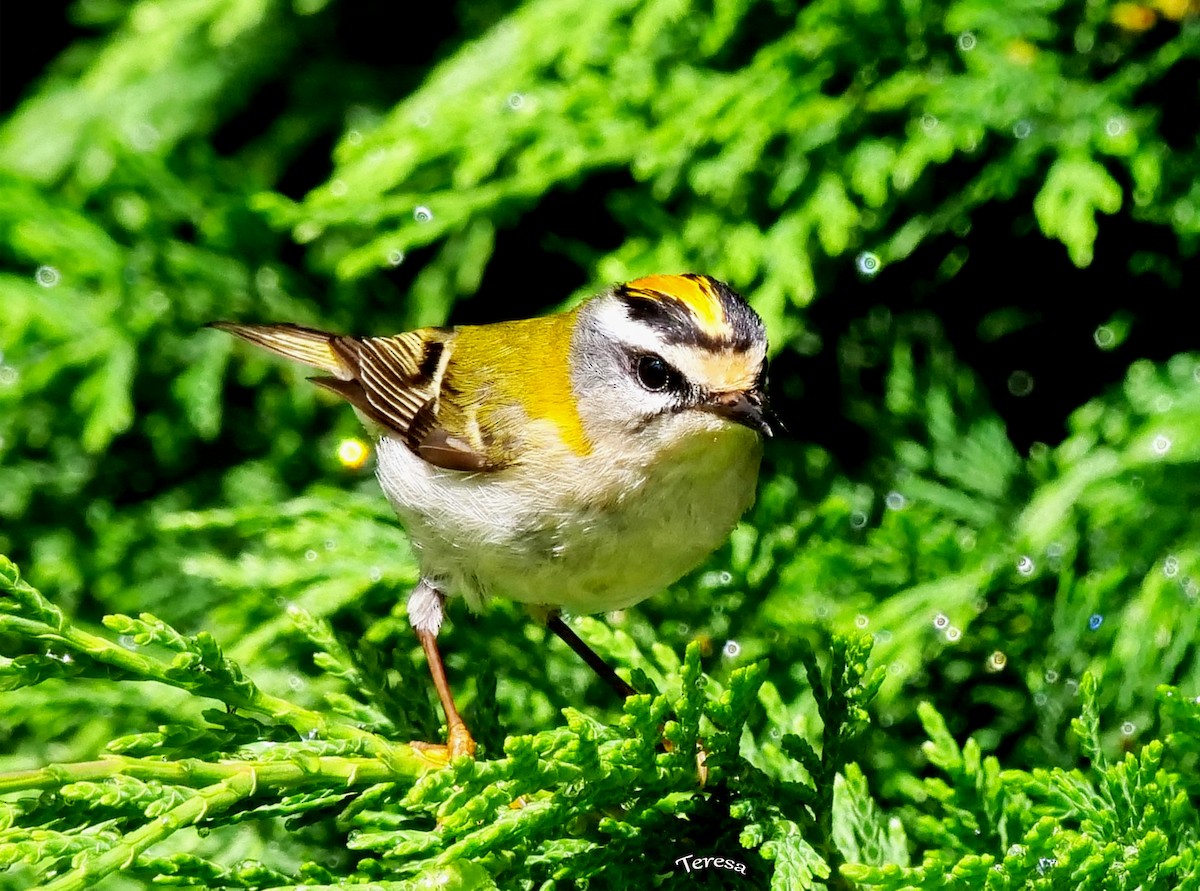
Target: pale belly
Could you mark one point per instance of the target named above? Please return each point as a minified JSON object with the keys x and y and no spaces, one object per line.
{"x":626,"y":533}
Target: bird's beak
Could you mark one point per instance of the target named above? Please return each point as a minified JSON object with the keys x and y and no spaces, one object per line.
{"x":746,"y":407}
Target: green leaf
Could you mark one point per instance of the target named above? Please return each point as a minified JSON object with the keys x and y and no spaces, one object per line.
{"x":1076,"y":188}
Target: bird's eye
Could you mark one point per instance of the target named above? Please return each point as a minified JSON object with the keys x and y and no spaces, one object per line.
{"x":653,"y":373}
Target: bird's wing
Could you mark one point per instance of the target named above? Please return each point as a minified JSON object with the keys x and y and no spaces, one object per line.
{"x":394,"y":381}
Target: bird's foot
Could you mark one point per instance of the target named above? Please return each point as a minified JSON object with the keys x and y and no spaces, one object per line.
{"x":458,"y":742}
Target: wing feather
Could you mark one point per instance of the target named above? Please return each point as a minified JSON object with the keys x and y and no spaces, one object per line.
{"x":394,"y":381}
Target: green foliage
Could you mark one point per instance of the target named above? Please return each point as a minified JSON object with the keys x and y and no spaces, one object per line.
{"x":584,"y":800}
{"x":1128,"y":824}
{"x":222,"y":692}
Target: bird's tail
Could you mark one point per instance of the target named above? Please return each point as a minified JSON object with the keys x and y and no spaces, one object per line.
{"x":305,"y":345}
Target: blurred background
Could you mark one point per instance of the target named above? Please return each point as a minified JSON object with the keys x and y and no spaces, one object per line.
{"x":971,"y":228}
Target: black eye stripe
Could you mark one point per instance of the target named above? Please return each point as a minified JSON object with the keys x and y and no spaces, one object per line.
{"x":675,"y":323}
{"x":670,"y":318}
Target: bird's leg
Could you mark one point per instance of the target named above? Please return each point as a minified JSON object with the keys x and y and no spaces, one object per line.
{"x":425,"y":611}
{"x":603,"y":670}
{"x":458,"y":738}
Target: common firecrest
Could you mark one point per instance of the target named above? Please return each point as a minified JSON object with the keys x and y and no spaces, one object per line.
{"x":579,"y":461}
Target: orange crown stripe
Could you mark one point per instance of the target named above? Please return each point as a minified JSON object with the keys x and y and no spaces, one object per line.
{"x":696,"y":292}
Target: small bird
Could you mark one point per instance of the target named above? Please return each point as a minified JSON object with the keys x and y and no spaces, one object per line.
{"x":581,"y":461}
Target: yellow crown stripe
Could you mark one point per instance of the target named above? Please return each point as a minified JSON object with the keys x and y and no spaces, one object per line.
{"x":694,"y":291}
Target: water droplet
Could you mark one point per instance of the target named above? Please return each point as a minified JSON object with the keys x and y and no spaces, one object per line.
{"x":395,"y":257}
{"x":375,"y":574}
{"x":423,"y":119}
{"x":354,"y":137}
{"x":940,"y":621}
{"x":732,"y":648}
{"x":1046,"y":863}
{"x":330,"y":544}
{"x":1039,"y":699}
{"x":144,"y":137}
{"x":895,"y":501}
{"x":1020,"y":383}
{"x":867,"y":263}
{"x":1171,"y":566}
{"x":1025,"y":565}
{"x":8,"y":375}
{"x":997,"y":661}
{"x":310,"y":555}
{"x":953,"y":634}
{"x":1095,"y":621}
{"x":966,"y":41}
{"x":338,"y":188}
{"x":1128,"y":728}
{"x":266,"y":279}
{"x":884,"y":636}
{"x":295,"y":683}
{"x":307,"y":231}
{"x":158,"y":302}
{"x":858,"y":520}
{"x":515,"y":101}
{"x":1022,"y":129}
{"x":47,"y":276}
{"x":422,"y":214}
{"x":1163,"y":403}
{"x":1104,"y":337}
{"x":1051,"y":676}
{"x":929,"y":123}
{"x":1115,"y":126}
{"x":1161,"y":445}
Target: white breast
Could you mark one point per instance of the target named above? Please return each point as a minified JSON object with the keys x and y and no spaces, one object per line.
{"x":602,"y":534}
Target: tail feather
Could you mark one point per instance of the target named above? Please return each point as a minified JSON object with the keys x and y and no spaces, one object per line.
{"x":305,"y":345}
